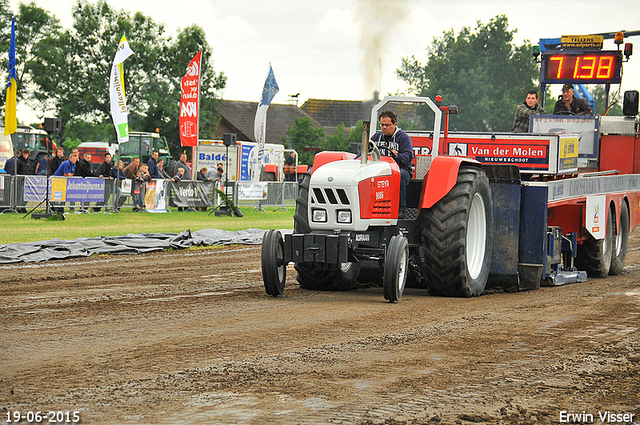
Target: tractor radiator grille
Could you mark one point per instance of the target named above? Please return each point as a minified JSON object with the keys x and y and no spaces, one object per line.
{"x":331,"y":196}
{"x":381,"y":208}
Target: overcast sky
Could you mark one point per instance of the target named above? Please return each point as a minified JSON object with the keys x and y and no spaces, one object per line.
{"x":344,"y":49}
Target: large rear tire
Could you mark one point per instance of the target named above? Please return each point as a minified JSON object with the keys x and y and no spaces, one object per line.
{"x":457,"y":234}
{"x":311,"y":276}
{"x":620,"y":242}
{"x":396,"y":268}
{"x":594,"y":256}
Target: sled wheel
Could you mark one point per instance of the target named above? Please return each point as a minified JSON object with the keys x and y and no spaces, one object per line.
{"x":274,"y":270}
{"x":457,"y":234}
{"x":620,"y":242}
{"x":395,"y":268}
{"x":594,"y":256}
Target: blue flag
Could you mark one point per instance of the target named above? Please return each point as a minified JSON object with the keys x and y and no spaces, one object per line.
{"x":260,"y":124}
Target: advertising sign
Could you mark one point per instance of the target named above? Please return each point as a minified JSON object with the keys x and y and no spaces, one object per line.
{"x":190,"y":194}
{"x":190,"y":102}
{"x":527,"y":154}
{"x":85,"y":190}
{"x":154,"y":197}
{"x":252,"y":191}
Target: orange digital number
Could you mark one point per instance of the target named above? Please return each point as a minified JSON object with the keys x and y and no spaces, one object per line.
{"x":560,"y":60}
{"x":605,"y":67}
{"x":587,"y":69}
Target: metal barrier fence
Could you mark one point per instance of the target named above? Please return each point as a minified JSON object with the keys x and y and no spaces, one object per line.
{"x":21,"y":194}
{"x":278,"y":194}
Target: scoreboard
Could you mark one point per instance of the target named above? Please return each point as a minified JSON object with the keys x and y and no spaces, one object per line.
{"x":581,"y":67}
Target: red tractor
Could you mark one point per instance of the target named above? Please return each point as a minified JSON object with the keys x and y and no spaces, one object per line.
{"x":515,"y":210}
{"x":347,"y":214}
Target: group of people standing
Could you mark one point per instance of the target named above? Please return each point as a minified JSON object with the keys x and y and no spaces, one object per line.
{"x":567,"y":104}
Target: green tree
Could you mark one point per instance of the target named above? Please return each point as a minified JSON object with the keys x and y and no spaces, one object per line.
{"x":33,"y":24}
{"x":339,"y":141}
{"x":600,"y":96}
{"x":481,"y":71}
{"x":305,"y":139}
{"x":73,"y":73}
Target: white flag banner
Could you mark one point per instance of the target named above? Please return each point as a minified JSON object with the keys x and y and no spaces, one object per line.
{"x":119,"y":111}
{"x":260,"y":124}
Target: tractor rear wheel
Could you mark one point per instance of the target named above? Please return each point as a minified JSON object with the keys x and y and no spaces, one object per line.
{"x":620,"y":242}
{"x":311,"y":276}
{"x":457,"y":233}
{"x":594,"y":256}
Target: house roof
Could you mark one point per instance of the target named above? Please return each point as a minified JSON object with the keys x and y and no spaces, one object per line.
{"x":238,"y":117}
{"x":331,"y":113}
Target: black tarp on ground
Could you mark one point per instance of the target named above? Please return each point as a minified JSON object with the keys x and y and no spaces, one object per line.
{"x":57,"y":249}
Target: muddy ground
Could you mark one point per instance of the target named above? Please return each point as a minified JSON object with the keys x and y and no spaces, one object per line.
{"x":191,"y":337}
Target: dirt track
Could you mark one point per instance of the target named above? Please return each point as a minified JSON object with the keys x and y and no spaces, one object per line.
{"x":191,"y":337}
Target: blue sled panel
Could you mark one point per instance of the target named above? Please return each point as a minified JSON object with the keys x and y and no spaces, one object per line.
{"x":533,"y":236}
{"x":505,"y":196}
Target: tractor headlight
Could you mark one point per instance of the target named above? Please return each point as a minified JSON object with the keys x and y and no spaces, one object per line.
{"x":344,"y":216}
{"x":319,"y":216}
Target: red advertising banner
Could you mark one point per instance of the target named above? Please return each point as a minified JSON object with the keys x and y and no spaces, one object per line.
{"x":190,"y":102}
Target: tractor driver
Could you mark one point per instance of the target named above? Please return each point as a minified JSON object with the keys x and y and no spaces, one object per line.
{"x":394,"y":142}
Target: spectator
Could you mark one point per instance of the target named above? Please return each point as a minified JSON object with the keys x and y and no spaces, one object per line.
{"x":290,"y":168}
{"x":567,"y":104}
{"x":68,"y":167}
{"x":183,"y":164}
{"x":118,"y":173}
{"x":161,"y":172}
{"x":57,"y":159}
{"x":43,"y":165}
{"x":178,"y":178}
{"x":75,"y":152}
{"x":220,"y":174}
{"x":10,"y":165}
{"x":136,"y":191}
{"x":105,"y":171}
{"x":83,"y":167}
{"x":131,"y":169}
{"x":524,"y":110}
{"x":22,"y":164}
{"x":22,"y":169}
{"x":153,"y":165}
{"x":202,"y":175}
{"x":145,"y":175}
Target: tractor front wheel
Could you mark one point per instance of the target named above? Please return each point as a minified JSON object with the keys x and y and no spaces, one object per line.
{"x":396,"y":264}
{"x":274,"y":270}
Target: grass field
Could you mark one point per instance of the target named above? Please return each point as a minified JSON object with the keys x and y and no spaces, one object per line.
{"x":14,"y":228}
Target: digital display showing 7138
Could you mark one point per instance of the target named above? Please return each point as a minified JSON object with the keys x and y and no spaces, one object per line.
{"x":598,"y":67}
